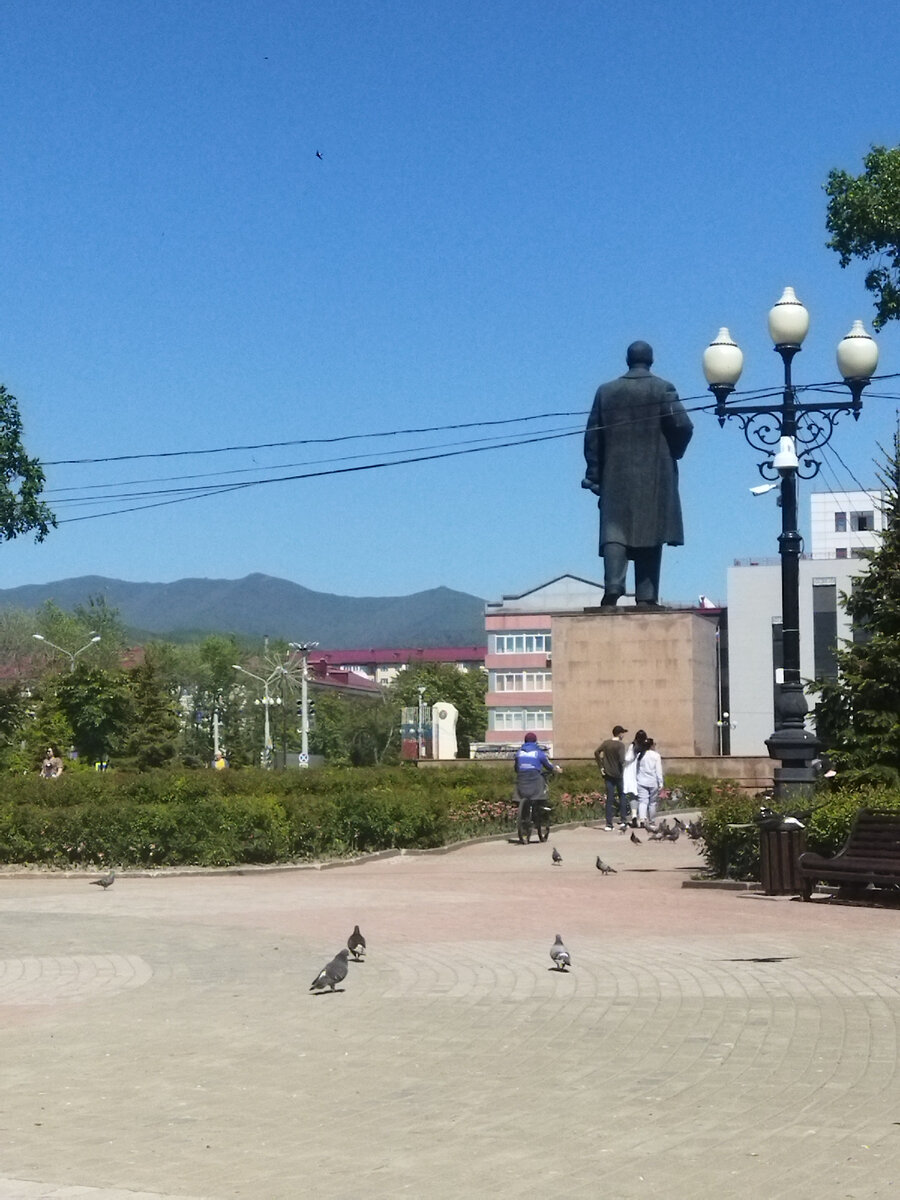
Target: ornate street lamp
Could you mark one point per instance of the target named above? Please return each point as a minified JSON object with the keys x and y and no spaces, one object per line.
{"x":788,"y":433}
{"x":266,"y":702}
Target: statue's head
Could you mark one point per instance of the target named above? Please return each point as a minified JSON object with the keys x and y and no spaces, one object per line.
{"x":639,"y":354}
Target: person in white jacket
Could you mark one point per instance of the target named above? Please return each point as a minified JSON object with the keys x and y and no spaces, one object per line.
{"x":629,"y":773}
{"x":649,"y":773}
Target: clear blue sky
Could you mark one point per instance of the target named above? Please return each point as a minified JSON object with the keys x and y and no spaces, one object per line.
{"x":508,"y":194}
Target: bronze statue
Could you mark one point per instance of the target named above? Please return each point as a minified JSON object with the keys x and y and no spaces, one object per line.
{"x":637,"y":431}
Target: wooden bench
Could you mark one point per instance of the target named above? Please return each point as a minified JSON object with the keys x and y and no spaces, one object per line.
{"x":871,"y":855}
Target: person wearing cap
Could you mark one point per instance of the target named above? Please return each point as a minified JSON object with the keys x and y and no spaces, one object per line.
{"x":610,"y":758}
{"x":532,"y":766}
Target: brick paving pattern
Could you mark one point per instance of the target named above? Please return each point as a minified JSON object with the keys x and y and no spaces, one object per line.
{"x":159,"y":1042}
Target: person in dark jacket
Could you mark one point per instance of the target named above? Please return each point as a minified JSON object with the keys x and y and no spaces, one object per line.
{"x":637,"y":431}
{"x":533,"y":767}
{"x":610,"y":757}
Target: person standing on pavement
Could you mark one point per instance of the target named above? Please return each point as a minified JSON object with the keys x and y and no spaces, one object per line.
{"x":610,"y":758}
{"x":629,"y":774}
{"x":649,"y":781}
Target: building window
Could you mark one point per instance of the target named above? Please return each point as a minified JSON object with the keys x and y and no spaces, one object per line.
{"x":862,"y":522}
{"x":840,"y":522}
{"x":521,"y":643}
{"x":512,"y":720}
{"x":824,"y":606}
{"x":520,"y":681}
{"x":840,"y":552}
{"x":858,"y":552}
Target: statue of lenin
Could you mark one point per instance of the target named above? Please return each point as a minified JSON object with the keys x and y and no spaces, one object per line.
{"x":637,"y":431}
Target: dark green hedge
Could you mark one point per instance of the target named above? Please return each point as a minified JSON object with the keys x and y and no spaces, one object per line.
{"x":175,"y":818}
{"x":733,"y":852}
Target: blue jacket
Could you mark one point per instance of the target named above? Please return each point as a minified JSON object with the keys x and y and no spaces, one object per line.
{"x":530,"y":757}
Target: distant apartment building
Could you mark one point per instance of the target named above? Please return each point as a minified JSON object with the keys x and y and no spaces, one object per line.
{"x":520,"y":654}
{"x":383,"y":666}
{"x":843,"y":524}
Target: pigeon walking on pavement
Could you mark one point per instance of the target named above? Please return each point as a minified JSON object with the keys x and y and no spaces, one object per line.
{"x":335,"y":972}
{"x":106,"y":881}
{"x":556,"y":856}
{"x":635,"y":838}
{"x":604,"y":867}
{"x":356,"y":944}
{"x":560,"y":955}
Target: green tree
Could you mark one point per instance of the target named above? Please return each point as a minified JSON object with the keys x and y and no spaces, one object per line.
{"x":443,"y":681}
{"x":858,"y":714}
{"x":21,"y":479}
{"x":357,"y":731}
{"x":863,"y":219}
{"x":153,"y":741}
{"x":98,"y":706}
{"x":13,"y":713}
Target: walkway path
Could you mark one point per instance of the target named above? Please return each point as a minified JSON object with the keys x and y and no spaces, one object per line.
{"x":158,"y":1040}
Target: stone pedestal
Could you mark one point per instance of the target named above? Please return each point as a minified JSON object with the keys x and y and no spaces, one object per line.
{"x":644,"y":670}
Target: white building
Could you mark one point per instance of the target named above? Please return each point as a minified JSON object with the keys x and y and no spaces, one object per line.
{"x":842,"y":525}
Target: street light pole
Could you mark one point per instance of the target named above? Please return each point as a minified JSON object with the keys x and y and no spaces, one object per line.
{"x":68,"y":653}
{"x":303,"y":648}
{"x":267,"y":700}
{"x":789,"y":425}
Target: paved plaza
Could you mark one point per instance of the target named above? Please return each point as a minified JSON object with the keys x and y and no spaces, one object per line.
{"x":159,"y":1039}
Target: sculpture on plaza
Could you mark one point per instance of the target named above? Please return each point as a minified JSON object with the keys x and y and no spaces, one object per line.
{"x":637,"y":431}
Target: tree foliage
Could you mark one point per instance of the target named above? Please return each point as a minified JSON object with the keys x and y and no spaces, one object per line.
{"x":444,"y":682}
{"x":153,"y":739}
{"x":858,"y":714}
{"x":21,"y":479}
{"x":863,"y":219}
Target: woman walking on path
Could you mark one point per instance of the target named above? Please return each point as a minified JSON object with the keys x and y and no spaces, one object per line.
{"x":649,"y":772}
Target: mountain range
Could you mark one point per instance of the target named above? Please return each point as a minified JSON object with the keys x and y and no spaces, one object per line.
{"x":260,"y":605}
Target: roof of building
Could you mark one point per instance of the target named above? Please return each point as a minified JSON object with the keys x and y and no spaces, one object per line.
{"x":399,"y":656}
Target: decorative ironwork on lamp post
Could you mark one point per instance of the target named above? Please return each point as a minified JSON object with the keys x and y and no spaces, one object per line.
{"x":789,"y":432}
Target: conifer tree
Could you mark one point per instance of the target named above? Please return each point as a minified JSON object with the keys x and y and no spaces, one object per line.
{"x":858,"y":715}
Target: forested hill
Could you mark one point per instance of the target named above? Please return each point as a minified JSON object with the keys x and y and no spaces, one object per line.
{"x":261,"y":605}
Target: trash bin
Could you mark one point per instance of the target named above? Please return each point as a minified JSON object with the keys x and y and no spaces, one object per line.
{"x":779,"y":850}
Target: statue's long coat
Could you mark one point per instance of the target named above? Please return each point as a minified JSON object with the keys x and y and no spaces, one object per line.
{"x":637,"y":430}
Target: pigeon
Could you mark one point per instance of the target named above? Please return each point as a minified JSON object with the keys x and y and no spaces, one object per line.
{"x":106,"y":882}
{"x":657,"y":835}
{"x":673,"y":835}
{"x":605,"y":867}
{"x":356,"y":943}
{"x":335,"y":972}
{"x":556,"y":856}
{"x":560,"y":954}
{"x":679,"y":824}
{"x":635,"y":838}
{"x":319,"y":154}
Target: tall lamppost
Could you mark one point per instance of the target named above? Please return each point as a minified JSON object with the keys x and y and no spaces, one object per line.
{"x":266,"y":702}
{"x":68,"y":653}
{"x":303,"y":649}
{"x":788,"y":433}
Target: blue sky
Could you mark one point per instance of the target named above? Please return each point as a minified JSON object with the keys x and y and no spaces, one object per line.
{"x":508,"y":194}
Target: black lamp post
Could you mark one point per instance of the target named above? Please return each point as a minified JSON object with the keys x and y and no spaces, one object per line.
{"x":779,"y":430}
